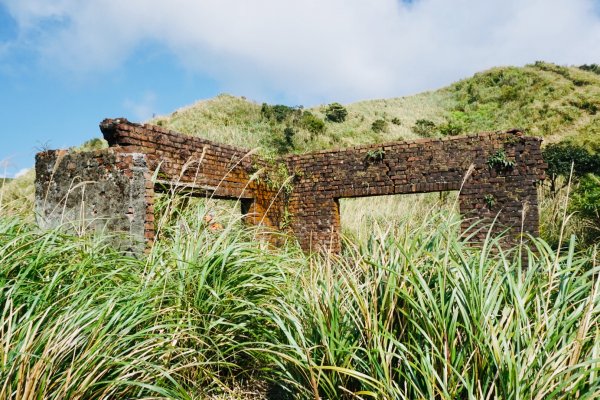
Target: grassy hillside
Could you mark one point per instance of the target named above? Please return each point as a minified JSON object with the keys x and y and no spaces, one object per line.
{"x":4,"y":181}
{"x":235,"y":120}
{"x":544,"y":99}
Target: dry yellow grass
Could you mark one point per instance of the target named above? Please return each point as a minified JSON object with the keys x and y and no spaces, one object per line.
{"x":238,"y":121}
{"x":17,"y":196}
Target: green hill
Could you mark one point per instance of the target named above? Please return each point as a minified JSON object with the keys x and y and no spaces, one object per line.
{"x":235,"y":120}
{"x":543,"y":99}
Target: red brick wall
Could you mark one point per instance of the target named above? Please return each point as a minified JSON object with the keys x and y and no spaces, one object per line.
{"x":425,"y":165}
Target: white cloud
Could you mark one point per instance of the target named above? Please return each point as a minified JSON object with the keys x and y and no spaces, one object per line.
{"x":21,"y":172}
{"x":6,"y":168}
{"x":142,"y":109}
{"x":316,"y":49}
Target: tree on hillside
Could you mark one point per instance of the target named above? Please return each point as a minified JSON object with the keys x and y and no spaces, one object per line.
{"x":335,"y":112}
{"x":561,"y":156}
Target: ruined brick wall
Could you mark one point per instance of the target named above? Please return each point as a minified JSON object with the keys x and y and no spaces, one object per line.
{"x":122,"y":184}
{"x":425,"y":165}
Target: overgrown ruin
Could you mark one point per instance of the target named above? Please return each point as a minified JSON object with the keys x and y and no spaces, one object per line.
{"x":113,"y":189}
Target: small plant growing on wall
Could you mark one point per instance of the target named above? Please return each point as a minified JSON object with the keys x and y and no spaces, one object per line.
{"x":498,"y":160}
{"x":279,"y":178}
{"x":375,"y":155}
{"x":490,"y":200}
{"x":286,"y":219}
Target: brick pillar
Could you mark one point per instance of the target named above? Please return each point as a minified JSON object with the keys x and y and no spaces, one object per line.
{"x":316,"y":222}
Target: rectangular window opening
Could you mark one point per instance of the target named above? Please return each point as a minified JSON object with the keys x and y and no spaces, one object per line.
{"x":399,"y":214}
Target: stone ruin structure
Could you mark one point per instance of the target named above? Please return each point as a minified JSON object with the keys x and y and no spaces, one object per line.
{"x":113,"y":189}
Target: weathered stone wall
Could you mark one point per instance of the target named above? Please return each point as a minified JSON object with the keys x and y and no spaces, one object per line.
{"x":121,"y":195}
{"x":425,"y":165}
{"x":105,"y":190}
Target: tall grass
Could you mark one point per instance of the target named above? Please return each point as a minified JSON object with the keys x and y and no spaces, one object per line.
{"x":427,"y":317}
{"x":409,"y":311}
{"x":17,"y":196}
{"x":79,"y":320}
{"x":558,"y":220}
{"x":361,"y":216}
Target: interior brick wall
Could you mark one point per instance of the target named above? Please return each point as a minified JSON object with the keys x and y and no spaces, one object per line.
{"x":310,"y":210}
{"x":200,"y":167}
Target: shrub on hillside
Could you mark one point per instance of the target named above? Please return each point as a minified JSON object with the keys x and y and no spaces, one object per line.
{"x":424,"y":127}
{"x":561,"y":156}
{"x":585,"y":204}
{"x":586,"y":105}
{"x":451,"y":128}
{"x":335,"y":112}
{"x":586,"y":198}
{"x":279,"y":112}
{"x":595,"y":68}
{"x":312,"y":123}
{"x":379,"y":125}
{"x":283,"y":141}
{"x":288,"y":134}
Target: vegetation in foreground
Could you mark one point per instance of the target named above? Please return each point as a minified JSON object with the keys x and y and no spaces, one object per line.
{"x":406,"y":313}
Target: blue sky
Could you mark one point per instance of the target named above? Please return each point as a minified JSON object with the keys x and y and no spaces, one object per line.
{"x":67,"y":64}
